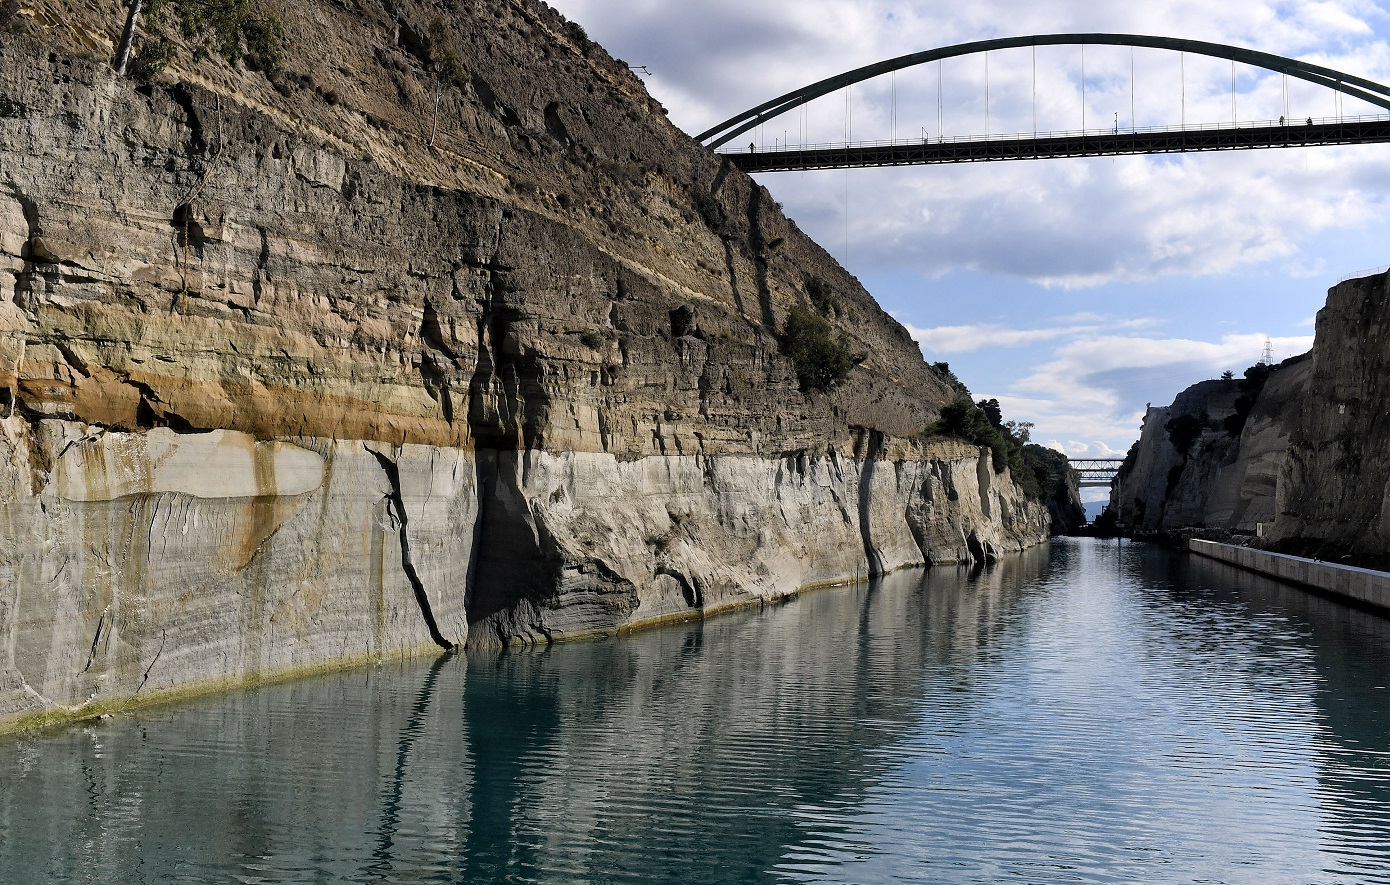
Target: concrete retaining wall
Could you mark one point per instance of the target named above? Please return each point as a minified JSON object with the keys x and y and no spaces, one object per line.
{"x":1363,"y":585}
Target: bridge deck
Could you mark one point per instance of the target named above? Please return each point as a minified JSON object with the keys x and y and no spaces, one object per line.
{"x":1102,"y":144}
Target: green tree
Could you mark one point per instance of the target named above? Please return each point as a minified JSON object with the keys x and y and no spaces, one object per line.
{"x":823,"y":359}
{"x":983,"y":424}
{"x":237,"y":30}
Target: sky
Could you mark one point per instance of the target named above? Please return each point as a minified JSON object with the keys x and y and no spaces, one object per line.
{"x":1075,"y":291}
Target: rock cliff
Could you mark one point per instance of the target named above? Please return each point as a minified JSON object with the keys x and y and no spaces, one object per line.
{"x":1290,"y":456}
{"x":438,"y":334}
{"x":1333,"y":498}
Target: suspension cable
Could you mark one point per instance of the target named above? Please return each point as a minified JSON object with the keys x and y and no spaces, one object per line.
{"x":1083,"y":89}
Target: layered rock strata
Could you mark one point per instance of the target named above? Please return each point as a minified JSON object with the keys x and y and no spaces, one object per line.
{"x":293,"y":382}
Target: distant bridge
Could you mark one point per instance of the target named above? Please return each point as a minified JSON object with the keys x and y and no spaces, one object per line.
{"x":1095,"y":472}
{"x":1109,"y":141}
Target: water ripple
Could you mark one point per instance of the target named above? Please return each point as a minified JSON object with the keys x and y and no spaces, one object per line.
{"x":1098,"y":715}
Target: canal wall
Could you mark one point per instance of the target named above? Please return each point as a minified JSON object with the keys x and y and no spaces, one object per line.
{"x":289,"y":380}
{"x":1365,"y":586}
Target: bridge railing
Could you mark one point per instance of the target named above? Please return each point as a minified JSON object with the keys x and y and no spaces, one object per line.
{"x":1368,"y":272}
{"x":1065,"y":133}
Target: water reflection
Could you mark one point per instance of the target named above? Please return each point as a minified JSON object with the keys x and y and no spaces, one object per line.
{"x":709,"y":749}
{"x":1348,"y":650}
{"x":1101,"y":713}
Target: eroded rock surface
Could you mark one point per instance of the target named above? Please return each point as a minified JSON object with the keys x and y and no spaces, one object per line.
{"x":293,"y":379}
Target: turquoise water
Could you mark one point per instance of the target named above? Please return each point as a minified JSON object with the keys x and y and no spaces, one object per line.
{"x":1088,"y":714}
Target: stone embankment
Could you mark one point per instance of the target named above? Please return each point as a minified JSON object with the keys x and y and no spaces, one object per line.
{"x":1363,"y":586}
{"x":438,"y":335}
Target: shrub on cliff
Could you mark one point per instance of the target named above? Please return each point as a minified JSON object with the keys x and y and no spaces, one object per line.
{"x":965,"y":420}
{"x":823,"y":360}
{"x":1045,"y":478}
{"x":711,"y":211}
{"x":444,"y":59}
{"x":237,"y":30}
{"x":1250,"y":387}
{"x":1183,"y":431}
{"x":822,"y":296}
{"x":983,"y":424}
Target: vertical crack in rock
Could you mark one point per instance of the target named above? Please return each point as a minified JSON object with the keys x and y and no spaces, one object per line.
{"x":758,"y":243}
{"x":24,"y":278}
{"x":96,"y":640}
{"x":163,"y":634}
{"x":733,"y":278}
{"x":393,"y":476}
{"x":872,"y":450}
{"x":437,"y":361}
{"x":262,"y":260}
{"x":182,"y":96}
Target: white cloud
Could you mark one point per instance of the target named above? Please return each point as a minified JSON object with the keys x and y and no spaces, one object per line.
{"x":1078,"y":449}
{"x":970,"y":338}
{"x":964,"y":339}
{"x":1066,"y":224}
{"x":1093,"y":391}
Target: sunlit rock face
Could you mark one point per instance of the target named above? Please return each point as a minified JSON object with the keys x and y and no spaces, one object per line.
{"x":1199,"y":465}
{"x":1306,"y":471}
{"x":296,"y":372}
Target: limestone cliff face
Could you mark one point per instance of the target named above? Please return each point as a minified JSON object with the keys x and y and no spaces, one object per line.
{"x":1333,"y":498}
{"x":1210,"y":460}
{"x":298,"y":373}
{"x":1307,"y":471}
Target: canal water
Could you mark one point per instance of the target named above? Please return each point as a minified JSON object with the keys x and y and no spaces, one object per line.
{"x":1088,"y":713}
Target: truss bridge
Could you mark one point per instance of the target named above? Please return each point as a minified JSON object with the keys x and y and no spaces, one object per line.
{"x":1095,"y":472}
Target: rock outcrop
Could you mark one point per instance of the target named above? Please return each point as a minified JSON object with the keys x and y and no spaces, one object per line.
{"x":1333,"y":498}
{"x":379,"y":353}
{"x":1294,"y":462}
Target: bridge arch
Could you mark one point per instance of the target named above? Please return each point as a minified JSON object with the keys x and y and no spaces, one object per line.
{"x":1348,"y":84}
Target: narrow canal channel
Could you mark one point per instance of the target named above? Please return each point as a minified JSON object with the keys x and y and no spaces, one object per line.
{"x":1088,"y":713}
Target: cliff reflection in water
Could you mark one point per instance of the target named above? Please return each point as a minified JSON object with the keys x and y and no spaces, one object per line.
{"x":703,"y":748}
{"x":1349,"y":651}
{"x":722,"y":749}
{"x":1099,"y":713}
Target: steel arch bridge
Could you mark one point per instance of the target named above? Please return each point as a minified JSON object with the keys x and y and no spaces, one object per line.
{"x":1100,"y":143}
